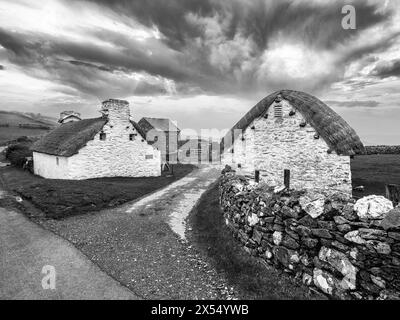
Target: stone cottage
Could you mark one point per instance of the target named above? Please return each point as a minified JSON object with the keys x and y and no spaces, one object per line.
{"x":293,"y":134}
{"x":162,"y":134}
{"x":69,"y":116}
{"x":109,"y":146}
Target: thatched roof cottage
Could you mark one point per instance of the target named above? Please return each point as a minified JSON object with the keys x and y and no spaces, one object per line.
{"x":294,"y":134}
{"x":109,"y":146}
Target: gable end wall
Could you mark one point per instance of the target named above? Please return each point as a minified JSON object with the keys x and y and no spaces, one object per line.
{"x":275,"y":145}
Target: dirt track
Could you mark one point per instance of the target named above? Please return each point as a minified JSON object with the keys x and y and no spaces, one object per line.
{"x":142,"y":244}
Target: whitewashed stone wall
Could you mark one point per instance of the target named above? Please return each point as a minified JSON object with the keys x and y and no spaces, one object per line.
{"x":116,"y":156}
{"x":277,"y":144}
{"x":45,"y":165}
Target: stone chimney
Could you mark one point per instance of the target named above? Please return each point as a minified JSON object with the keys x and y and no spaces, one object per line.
{"x":115,"y":110}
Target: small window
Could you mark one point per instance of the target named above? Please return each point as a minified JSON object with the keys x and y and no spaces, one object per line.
{"x":155,"y":138}
{"x":57,"y":160}
{"x":149,"y":156}
{"x":102,"y":136}
{"x":188,"y":153}
{"x":278,"y":113}
{"x":132,"y":137}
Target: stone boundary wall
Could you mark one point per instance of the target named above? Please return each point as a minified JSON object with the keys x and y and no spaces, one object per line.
{"x":382,"y":150}
{"x":343,"y":249}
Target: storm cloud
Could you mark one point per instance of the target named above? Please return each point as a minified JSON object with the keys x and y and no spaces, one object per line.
{"x":387,"y":69}
{"x":213,"y":47}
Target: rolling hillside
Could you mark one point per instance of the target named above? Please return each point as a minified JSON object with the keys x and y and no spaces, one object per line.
{"x":15,"y":124}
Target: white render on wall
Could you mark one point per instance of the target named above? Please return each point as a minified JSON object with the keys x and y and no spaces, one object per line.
{"x":116,"y":156}
{"x":276,"y":144}
{"x":45,"y":165}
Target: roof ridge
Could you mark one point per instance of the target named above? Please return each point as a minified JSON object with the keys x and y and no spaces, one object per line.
{"x":336,"y":132}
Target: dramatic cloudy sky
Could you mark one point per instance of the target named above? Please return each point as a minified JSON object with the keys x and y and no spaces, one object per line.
{"x":203,"y":63}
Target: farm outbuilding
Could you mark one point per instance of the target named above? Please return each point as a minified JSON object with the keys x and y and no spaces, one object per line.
{"x":199,"y":150}
{"x":69,"y":116}
{"x":164,"y":135}
{"x":109,"y":146}
{"x":293,"y":134}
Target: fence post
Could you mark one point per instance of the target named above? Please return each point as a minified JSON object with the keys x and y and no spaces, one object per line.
{"x":393,"y":193}
{"x":286,"y":178}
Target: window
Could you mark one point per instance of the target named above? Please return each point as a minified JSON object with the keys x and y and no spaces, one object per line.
{"x":155,"y":138}
{"x":195,"y":152}
{"x":57,"y":160}
{"x":132,"y":136}
{"x":102,"y":136}
{"x":149,"y":156}
{"x":278,"y":113}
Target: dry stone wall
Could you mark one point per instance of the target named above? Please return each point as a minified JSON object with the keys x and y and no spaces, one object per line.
{"x":382,"y":149}
{"x":322,"y":242}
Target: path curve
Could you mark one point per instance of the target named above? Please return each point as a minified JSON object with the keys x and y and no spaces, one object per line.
{"x":185,"y":193}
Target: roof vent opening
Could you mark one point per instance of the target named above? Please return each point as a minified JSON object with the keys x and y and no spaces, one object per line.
{"x":278,"y":112}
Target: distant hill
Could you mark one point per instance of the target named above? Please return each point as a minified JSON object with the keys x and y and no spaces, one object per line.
{"x":15,"y":124}
{"x":14,"y":118}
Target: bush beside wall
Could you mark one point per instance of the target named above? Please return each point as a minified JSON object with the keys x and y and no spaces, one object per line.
{"x":336,"y":253}
{"x":17,"y":153}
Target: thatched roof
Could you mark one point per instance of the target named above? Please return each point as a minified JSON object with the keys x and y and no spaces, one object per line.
{"x":139,"y":129}
{"x":339,"y":136}
{"x":69,"y":138}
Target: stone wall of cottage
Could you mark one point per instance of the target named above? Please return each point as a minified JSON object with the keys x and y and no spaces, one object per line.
{"x":49,"y":167}
{"x":271,"y":145}
{"x":117,"y":155}
{"x":342,"y":248}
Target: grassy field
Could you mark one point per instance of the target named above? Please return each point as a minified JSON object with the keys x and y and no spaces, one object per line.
{"x":61,"y":198}
{"x":14,"y":119}
{"x":374,"y":171}
{"x":12,"y":133}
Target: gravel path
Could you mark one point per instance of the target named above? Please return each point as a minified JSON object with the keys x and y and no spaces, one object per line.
{"x":143,"y":244}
